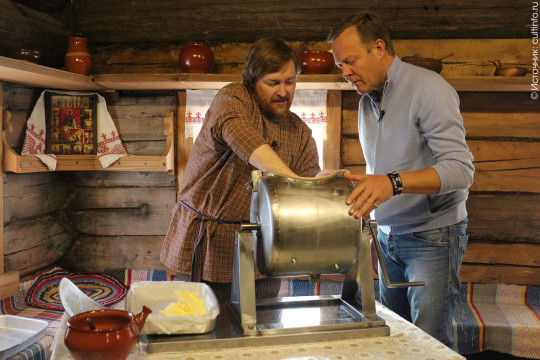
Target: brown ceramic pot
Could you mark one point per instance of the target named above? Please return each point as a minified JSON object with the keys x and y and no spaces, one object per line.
{"x":29,"y":55}
{"x":508,"y":70}
{"x":427,"y":63}
{"x":104,"y":334}
{"x":77,"y":59}
{"x":316,"y":62}
{"x":196,"y":58}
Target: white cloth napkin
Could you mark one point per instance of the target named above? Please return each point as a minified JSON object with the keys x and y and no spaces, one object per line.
{"x":110,"y":146}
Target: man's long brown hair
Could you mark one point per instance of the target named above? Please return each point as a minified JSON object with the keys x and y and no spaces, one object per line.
{"x":266,"y":56}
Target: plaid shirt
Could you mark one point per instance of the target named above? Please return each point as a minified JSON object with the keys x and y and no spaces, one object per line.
{"x":216,"y":176}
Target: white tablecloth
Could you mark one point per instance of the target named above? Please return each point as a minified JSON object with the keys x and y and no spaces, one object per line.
{"x":405,"y":342}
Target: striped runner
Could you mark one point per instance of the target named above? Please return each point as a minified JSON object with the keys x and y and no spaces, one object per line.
{"x":498,"y":317}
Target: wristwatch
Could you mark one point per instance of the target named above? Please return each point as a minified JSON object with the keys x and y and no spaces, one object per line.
{"x":397,"y":185}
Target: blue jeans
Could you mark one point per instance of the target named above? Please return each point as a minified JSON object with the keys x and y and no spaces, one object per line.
{"x":434,"y":257}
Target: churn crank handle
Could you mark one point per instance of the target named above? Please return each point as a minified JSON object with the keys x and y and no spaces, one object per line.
{"x":385,"y":276}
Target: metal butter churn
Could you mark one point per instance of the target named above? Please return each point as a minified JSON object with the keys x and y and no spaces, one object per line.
{"x":301,"y":226}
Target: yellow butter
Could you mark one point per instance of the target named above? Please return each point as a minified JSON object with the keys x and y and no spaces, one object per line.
{"x":188,"y":304}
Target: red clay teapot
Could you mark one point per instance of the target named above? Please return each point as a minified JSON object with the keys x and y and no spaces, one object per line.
{"x":104,"y":334}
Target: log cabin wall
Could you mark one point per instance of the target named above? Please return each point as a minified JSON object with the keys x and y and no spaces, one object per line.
{"x":89,"y":220}
{"x":504,"y":226}
{"x":96,"y":220}
{"x":35,"y":235}
{"x":121,"y":218}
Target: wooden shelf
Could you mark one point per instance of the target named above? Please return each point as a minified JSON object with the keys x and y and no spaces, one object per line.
{"x":312,"y":82}
{"x":16,"y":163}
{"x":23,"y":72}
{"x":206,"y":81}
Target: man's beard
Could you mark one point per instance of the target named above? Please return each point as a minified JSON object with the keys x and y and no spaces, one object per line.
{"x":271,"y":110}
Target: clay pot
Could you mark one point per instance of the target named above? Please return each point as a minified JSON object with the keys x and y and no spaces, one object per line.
{"x":316,"y":62}
{"x":427,"y":63}
{"x":196,"y":58}
{"x":508,"y":70}
{"x":104,"y":334}
{"x":29,"y":55}
{"x":77,"y":59}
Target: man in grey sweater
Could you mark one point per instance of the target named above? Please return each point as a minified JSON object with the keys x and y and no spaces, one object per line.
{"x":418,"y":171}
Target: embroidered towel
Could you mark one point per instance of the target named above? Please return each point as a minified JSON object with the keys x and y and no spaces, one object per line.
{"x":110,"y":146}
{"x":309,"y":105}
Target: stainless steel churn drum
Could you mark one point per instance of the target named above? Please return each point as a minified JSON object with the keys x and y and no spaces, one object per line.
{"x":301,"y":226}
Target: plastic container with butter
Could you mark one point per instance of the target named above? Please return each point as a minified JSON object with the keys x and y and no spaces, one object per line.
{"x":157,"y":295}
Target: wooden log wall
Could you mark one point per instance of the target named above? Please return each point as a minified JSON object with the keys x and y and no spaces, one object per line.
{"x":131,"y":28}
{"x":501,"y":129}
{"x":470,"y":56}
{"x":89,"y":221}
{"x":503,"y":135}
{"x":27,"y":28}
{"x":35,"y":234}
{"x":166,"y":21}
{"x":121,"y":218}
{"x":504,"y":225}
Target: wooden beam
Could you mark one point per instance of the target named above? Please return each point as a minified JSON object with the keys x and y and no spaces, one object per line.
{"x":183,"y":81}
{"x":184,"y":144}
{"x":502,"y":254}
{"x":501,"y":263}
{"x":218,"y":21}
{"x":1,"y":185}
{"x":477,"y":124}
{"x":507,"y":125}
{"x":9,"y":282}
{"x":511,"y":166}
{"x":103,"y":252}
{"x":500,"y":274}
{"x":504,"y":217}
{"x":169,"y":148}
{"x":332,"y":143}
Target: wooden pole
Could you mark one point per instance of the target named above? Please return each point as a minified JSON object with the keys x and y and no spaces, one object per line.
{"x":9,"y":283}
{"x":332,"y":143}
{"x":184,"y":144}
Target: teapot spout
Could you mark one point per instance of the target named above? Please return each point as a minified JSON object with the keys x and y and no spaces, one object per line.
{"x":140,"y":318}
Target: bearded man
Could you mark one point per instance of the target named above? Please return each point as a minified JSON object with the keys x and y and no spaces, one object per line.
{"x":248,"y":126}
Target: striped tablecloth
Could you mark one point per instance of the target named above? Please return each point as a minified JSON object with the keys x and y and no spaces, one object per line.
{"x":503,"y":318}
{"x":498,"y":317}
